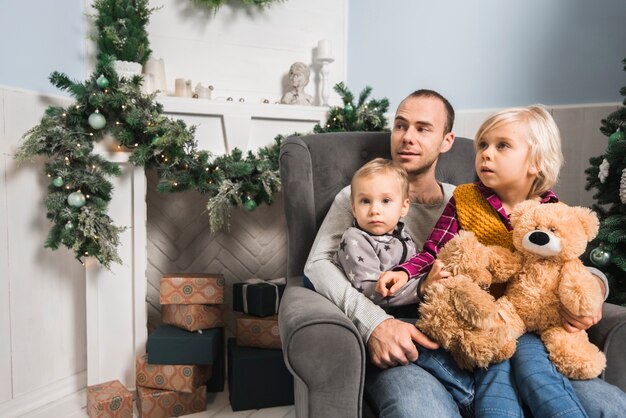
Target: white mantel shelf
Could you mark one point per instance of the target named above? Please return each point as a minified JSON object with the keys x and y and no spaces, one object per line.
{"x":116,"y":299}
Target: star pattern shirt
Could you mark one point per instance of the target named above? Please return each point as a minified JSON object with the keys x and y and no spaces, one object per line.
{"x":363,"y":257}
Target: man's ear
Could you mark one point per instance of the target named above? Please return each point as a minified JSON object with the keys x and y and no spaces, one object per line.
{"x":448,"y":141}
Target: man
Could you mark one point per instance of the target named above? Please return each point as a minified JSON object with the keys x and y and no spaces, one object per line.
{"x":421,"y":131}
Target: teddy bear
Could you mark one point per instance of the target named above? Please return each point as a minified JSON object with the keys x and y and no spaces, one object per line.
{"x":542,"y":272}
{"x":459,"y":312}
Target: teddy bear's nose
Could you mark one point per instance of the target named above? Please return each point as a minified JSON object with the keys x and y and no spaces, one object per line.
{"x":539,"y":238}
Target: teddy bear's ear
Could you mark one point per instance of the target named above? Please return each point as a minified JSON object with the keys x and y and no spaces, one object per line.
{"x":522,"y":208}
{"x":589,"y":221}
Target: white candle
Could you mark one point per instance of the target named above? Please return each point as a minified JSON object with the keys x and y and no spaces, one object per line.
{"x":324,"y":49}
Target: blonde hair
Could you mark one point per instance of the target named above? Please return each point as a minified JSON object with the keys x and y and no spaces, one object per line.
{"x":383,"y":166}
{"x":543,"y":139}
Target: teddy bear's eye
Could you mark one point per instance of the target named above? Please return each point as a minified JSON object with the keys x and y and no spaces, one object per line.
{"x":553,"y":229}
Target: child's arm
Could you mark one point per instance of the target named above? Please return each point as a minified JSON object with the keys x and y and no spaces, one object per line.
{"x":445,"y":229}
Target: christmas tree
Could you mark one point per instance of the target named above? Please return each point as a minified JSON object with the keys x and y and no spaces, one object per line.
{"x":607,"y":175}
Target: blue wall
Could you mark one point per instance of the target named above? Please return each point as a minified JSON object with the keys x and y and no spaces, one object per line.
{"x":38,"y":37}
{"x":479,"y":53}
{"x":489,"y":53}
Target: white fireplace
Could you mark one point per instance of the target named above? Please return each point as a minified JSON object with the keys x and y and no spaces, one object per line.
{"x":117,"y":308}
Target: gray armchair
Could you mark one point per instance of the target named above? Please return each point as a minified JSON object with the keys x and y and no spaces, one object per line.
{"x":321,"y":346}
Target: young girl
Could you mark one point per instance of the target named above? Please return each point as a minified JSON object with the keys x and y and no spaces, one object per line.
{"x":518,"y":157}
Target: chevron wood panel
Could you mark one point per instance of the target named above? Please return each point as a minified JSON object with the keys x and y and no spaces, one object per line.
{"x":180,"y":240}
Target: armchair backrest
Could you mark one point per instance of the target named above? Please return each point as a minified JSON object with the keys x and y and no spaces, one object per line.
{"x":314,"y":168}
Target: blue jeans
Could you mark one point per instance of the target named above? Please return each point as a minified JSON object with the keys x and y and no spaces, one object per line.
{"x":411,"y":391}
{"x":484,"y":393}
{"x":542,"y":387}
{"x":407,"y":391}
{"x":501,"y":390}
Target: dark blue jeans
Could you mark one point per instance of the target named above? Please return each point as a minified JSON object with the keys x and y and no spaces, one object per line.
{"x":500,"y":390}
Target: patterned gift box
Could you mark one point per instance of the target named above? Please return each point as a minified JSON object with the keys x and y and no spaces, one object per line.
{"x":258,"y":297}
{"x":181,"y":378}
{"x":109,"y":400}
{"x":258,"y":332}
{"x":154,"y":403}
{"x":189,"y":289}
{"x":257,"y":378}
{"x":193,"y":317}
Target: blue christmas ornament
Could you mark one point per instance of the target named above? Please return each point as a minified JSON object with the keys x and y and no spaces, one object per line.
{"x":76,"y":199}
{"x":96,"y":120}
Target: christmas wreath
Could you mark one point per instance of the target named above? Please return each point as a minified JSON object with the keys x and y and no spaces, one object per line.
{"x":109,"y":105}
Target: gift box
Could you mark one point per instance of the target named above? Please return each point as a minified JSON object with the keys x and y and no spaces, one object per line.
{"x":155,"y":403}
{"x":258,"y":332}
{"x":193,"y":317}
{"x":188,"y":289}
{"x":181,"y":378}
{"x":258,"y":297}
{"x":109,"y":400}
{"x":173,"y":345}
{"x":257,"y":378}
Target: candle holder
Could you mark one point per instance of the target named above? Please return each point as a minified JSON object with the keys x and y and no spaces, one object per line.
{"x":325,"y":92}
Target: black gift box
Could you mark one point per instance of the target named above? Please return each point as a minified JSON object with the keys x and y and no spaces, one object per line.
{"x":257,"y":378}
{"x":173,"y":345}
{"x":260,"y":298}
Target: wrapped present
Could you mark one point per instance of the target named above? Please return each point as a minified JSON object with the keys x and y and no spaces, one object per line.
{"x":188,"y":289}
{"x":193,"y":317}
{"x":258,"y":297}
{"x":181,"y":378}
{"x":109,"y":400}
{"x":173,"y":345}
{"x":258,"y":332}
{"x":155,"y":403}
{"x":257,"y":378}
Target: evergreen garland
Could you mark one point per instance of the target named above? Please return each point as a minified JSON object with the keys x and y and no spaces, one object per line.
{"x":365,"y":116}
{"x":107,"y":105}
{"x":121,"y":26}
{"x":606,"y":176}
{"x":216,"y":4}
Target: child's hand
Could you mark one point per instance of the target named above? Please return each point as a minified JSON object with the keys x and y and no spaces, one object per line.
{"x":390,"y":282}
{"x":436,"y":273}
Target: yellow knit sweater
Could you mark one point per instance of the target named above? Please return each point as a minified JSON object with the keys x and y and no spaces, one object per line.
{"x":476,"y":214}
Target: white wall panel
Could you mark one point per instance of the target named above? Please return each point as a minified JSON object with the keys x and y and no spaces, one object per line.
{"x":5,"y":313}
{"x":45,"y":289}
{"x":246,"y":53}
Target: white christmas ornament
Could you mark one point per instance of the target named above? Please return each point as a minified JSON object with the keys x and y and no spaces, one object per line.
{"x":604,"y":171}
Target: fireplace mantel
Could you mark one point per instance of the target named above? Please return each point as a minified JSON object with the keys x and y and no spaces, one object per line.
{"x":116,"y":299}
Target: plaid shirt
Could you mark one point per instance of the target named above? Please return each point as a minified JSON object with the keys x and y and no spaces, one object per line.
{"x":448,"y":225}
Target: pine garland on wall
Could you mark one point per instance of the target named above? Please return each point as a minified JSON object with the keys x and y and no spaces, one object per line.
{"x":110,"y":106}
{"x":216,"y":4}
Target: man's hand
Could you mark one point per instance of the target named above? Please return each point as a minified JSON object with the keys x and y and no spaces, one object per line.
{"x":436,"y":273}
{"x":575,"y":323}
{"x":393,"y":343}
{"x":390,"y":282}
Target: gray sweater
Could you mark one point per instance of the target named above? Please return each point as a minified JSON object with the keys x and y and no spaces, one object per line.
{"x":363,"y":257}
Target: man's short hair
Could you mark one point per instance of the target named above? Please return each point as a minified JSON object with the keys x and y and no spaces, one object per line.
{"x":449,"y":109}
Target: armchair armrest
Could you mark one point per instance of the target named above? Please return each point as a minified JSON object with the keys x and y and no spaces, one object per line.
{"x":610,"y":336}
{"x":324,"y":352}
